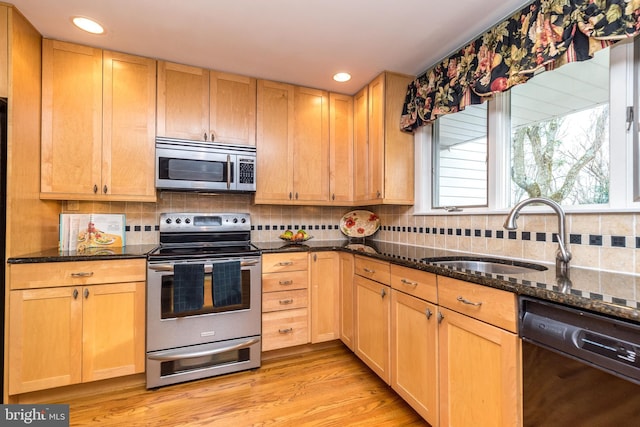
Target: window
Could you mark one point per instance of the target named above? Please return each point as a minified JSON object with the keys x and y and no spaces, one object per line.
{"x":460,"y":158}
{"x":554,"y":136}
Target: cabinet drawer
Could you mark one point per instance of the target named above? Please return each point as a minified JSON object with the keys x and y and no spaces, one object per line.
{"x":372,"y":269}
{"x":418,"y":283}
{"x":285,"y":300}
{"x":285,"y":328}
{"x":284,"y":281}
{"x":490,"y":305}
{"x":294,"y":261}
{"x":51,"y":274}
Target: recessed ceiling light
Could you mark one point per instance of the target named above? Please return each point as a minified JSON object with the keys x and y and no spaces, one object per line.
{"x":342,"y":77}
{"x":87,"y":24}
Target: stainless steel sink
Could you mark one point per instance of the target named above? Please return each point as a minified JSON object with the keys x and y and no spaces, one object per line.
{"x":487,"y":265}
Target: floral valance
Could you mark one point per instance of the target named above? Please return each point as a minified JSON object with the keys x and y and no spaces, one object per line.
{"x":547,"y":33}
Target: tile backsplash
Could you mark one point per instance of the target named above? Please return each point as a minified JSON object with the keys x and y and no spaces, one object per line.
{"x":603,"y":241}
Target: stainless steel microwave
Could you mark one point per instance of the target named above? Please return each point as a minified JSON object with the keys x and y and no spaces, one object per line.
{"x":204,"y":166}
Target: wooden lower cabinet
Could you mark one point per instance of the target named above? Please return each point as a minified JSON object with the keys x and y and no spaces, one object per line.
{"x":72,"y":334}
{"x":325,"y":297}
{"x":372,"y":301}
{"x":480,"y":373}
{"x":347,"y":312}
{"x":414,"y":361}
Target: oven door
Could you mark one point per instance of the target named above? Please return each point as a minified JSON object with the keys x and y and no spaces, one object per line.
{"x":195,"y":170}
{"x":220,"y":308}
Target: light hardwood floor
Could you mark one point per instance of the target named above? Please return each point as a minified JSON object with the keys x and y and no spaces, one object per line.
{"x":325,"y":387}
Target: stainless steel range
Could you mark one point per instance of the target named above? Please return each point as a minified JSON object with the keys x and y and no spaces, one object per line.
{"x":203,"y":298}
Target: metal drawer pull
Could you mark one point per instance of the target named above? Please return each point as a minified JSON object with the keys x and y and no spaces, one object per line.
{"x":466,"y":301}
{"x":286,"y":301}
{"x":172,"y":355}
{"x":366,"y":270}
{"x":409,"y":282}
{"x":429,"y":313}
{"x":285,"y":331}
{"x":82,"y":274}
{"x":285,"y":263}
{"x":285,"y":282}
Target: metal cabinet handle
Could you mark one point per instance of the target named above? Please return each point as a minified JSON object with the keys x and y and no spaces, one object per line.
{"x":466,"y":301}
{"x":205,"y":136}
{"x":290,"y":195}
{"x":95,"y":188}
{"x":440,"y":317}
{"x":285,"y":263}
{"x":367,"y":270}
{"x":82,"y":274}
{"x":378,"y":194}
{"x":333,"y":196}
{"x":105,"y":189}
{"x":285,"y":282}
{"x":409,"y":282}
{"x":383,"y":293}
{"x":75,"y":294}
{"x":296,"y":195}
{"x":86,"y":293}
{"x":286,"y":301}
{"x":428,"y":313}
{"x":285,"y":331}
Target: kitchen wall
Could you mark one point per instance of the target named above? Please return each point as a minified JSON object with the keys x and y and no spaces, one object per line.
{"x":602,"y":241}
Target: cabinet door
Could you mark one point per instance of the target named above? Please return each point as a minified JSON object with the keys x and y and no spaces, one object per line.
{"x":480,"y":371}
{"x":325,"y":297}
{"x":232,"y":111}
{"x":128,"y":143}
{"x":341,"y":148}
{"x":183,"y":101}
{"x":311,"y":145}
{"x":414,"y":351}
{"x":274,"y":142}
{"x":113,"y":330}
{"x":71,"y":118}
{"x":45,"y":338}
{"x":399,"y":158}
{"x":361,"y":145}
{"x":376,"y":138}
{"x":372,"y":325}
{"x":347,"y":301}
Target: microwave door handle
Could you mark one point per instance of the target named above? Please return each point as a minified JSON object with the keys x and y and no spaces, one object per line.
{"x":228,"y":171}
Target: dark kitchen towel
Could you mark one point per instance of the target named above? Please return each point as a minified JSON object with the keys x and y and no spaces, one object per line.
{"x":188,"y":287}
{"x":227,"y":285}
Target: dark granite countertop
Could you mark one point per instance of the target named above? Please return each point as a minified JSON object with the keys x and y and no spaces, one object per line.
{"x":609,"y":293}
{"x":89,"y":254}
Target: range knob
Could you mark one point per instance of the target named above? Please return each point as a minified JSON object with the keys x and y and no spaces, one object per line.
{"x":178,"y":220}
{"x":168,"y":220}
{"x":235,"y":220}
{"x":187,"y":220}
{"x":243,"y":220}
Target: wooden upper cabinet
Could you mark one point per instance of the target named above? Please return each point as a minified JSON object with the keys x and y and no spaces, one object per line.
{"x":274,"y":142}
{"x":98,"y":124}
{"x":128,"y":142}
{"x":4,"y":51}
{"x":232,"y":115}
{"x":292,"y":144}
{"x":199,"y":104}
{"x":383,"y":154}
{"x":341,"y":176}
{"x":311,"y":145}
{"x":71,"y":118}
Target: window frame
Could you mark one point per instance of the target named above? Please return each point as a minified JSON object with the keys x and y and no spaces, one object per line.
{"x":624,"y":146}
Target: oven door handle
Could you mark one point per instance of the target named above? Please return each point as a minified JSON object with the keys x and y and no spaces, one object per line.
{"x":176,"y":355}
{"x":208,"y":268}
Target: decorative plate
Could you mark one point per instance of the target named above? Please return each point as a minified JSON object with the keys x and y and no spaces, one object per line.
{"x":359,"y":223}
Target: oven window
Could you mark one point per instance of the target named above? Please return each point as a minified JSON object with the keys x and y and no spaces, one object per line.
{"x":190,"y":292}
{"x":193,"y":170}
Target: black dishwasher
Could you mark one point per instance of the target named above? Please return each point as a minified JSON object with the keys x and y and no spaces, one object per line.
{"x":579,"y":367}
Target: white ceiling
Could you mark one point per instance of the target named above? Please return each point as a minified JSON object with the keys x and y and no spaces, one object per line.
{"x":303,"y":42}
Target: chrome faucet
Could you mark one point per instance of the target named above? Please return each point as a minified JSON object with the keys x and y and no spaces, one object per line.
{"x":563,"y":256}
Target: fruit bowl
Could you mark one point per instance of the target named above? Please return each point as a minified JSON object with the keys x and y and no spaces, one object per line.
{"x":291,"y":237}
